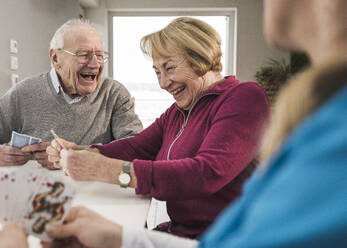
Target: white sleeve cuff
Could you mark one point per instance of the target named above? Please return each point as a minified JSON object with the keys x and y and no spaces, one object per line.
{"x":132,"y":238}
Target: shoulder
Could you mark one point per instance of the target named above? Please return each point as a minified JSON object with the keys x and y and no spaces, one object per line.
{"x":32,"y":83}
{"x":27,"y":86}
{"x":247,"y":89}
{"x":114,"y":87}
{"x":325,"y":128}
{"x":245,"y":94}
{"x":232,"y":87}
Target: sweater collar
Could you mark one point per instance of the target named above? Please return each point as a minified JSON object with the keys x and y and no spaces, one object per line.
{"x":228,"y":82}
{"x":218,"y":89}
{"x":56,"y":84}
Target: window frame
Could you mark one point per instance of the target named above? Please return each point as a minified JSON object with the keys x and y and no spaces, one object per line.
{"x":231,"y":33}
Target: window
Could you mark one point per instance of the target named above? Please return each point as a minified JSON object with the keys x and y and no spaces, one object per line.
{"x":134,"y":70}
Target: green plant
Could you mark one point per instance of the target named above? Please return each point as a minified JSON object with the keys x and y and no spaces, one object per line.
{"x":272,"y":76}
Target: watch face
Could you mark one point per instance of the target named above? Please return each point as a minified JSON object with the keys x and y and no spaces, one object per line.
{"x":124,"y":179}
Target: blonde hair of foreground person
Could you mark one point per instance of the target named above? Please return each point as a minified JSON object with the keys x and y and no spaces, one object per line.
{"x":299,"y":98}
{"x":196,"y":40}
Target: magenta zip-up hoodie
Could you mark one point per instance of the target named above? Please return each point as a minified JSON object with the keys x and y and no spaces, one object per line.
{"x":197,"y":161}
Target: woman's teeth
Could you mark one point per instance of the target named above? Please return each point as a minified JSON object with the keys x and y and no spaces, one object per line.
{"x":179,"y":90}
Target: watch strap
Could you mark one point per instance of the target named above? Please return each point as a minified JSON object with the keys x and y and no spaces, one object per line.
{"x":126,"y":167}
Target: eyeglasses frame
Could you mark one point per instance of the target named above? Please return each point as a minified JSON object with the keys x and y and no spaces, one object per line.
{"x":90,"y":57}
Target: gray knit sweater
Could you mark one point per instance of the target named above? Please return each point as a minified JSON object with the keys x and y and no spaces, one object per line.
{"x":33,"y":107}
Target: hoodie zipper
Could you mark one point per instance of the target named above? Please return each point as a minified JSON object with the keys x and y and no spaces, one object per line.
{"x":185,"y":121}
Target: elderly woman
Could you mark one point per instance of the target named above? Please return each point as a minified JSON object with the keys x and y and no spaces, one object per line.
{"x":198,"y":153}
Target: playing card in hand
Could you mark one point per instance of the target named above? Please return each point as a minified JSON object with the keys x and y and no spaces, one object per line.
{"x":20,"y":140}
{"x":32,"y":179}
{"x":7,"y":177}
{"x":50,"y":204}
{"x":34,"y":197}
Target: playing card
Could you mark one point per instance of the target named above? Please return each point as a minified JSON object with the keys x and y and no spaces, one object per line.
{"x":34,"y":197}
{"x":32,"y":179}
{"x":49,"y":204}
{"x":20,"y":140}
{"x":7,"y":179}
{"x":34,"y":140}
{"x":2,"y":196}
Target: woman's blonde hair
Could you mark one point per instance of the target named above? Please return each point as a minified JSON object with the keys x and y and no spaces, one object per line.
{"x":197,"y":41}
{"x":299,"y":98}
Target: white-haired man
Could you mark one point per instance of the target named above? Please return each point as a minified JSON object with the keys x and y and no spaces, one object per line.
{"x":73,"y":99}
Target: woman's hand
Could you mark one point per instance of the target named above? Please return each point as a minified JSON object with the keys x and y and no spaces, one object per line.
{"x":53,"y":150}
{"x":12,"y":235}
{"x":89,"y":228}
{"x":90,"y":166}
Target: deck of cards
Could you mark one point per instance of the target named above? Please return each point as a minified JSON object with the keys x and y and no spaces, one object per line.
{"x":20,"y":140}
{"x":34,"y":197}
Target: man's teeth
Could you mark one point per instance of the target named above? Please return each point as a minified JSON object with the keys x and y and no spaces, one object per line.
{"x":175,"y":92}
{"x":88,"y":76}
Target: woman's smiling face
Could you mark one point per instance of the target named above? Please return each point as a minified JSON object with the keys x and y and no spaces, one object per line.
{"x":176,"y":76}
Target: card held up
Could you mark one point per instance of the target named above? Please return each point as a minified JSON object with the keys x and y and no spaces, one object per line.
{"x":21,"y":140}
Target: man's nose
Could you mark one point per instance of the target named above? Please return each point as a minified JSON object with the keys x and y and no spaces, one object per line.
{"x":93,"y":62}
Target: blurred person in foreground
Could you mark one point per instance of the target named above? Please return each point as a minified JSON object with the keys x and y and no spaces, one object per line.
{"x":297,"y":198}
{"x":12,"y":236}
{"x":198,"y":153}
{"x":72,"y":98}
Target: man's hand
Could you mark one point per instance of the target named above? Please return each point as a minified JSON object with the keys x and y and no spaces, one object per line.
{"x":13,"y":235}
{"x":88,"y":227}
{"x":39,"y":153}
{"x":12,"y":156}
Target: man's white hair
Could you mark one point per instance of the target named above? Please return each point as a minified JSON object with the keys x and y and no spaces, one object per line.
{"x":57,"y":41}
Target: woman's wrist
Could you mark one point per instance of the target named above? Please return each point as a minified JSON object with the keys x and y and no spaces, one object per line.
{"x":113,"y":168}
{"x":133,"y":182}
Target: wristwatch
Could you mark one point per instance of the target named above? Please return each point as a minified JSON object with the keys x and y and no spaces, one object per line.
{"x":124,"y":177}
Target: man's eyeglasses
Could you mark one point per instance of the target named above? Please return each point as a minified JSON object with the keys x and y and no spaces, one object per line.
{"x":84,"y":57}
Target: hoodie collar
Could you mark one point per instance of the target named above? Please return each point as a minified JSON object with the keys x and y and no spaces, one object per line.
{"x":228,"y":82}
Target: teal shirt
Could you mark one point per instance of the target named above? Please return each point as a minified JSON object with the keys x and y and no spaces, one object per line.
{"x":301,"y":200}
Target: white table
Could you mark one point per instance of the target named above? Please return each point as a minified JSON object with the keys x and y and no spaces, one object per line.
{"x":113,"y":202}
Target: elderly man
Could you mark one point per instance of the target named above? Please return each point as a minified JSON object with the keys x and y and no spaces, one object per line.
{"x":72,"y":99}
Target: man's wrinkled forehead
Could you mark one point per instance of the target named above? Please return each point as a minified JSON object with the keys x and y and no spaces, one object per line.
{"x":82,"y":33}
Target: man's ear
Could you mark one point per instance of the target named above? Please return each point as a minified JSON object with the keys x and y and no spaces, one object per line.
{"x":54,"y":58}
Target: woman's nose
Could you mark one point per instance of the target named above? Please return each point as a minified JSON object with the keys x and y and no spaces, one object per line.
{"x":164,"y":81}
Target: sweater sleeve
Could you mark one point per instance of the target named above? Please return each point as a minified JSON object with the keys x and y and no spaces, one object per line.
{"x":145,"y":145}
{"x":8,"y":119}
{"x":125,"y":123}
{"x":229,"y":146}
{"x":154,"y":239}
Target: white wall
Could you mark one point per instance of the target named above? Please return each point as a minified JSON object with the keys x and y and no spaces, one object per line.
{"x":32,"y":23}
{"x":252,"y":51}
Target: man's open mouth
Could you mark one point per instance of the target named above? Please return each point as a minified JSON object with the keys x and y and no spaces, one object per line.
{"x":88,"y":76}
